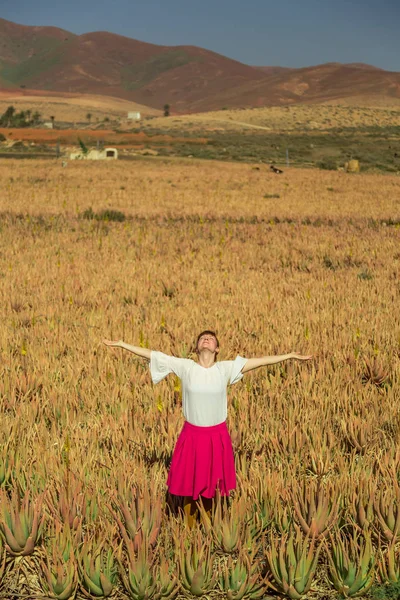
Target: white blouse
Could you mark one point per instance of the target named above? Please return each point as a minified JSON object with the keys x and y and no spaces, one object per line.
{"x":204,"y":399}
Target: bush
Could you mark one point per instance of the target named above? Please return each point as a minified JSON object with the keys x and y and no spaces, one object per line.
{"x":104,"y":215}
{"x":88,"y":214}
{"x":328,"y":164}
{"x":390,"y":591}
{"x":365,"y":275}
{"x":111,"y":215}
{"x":2,"y":138}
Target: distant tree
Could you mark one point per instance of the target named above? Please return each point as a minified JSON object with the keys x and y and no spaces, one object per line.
{"x":36,"y":118}
{"x":7,"y":117}
{"x":89,"y":117}
{"x":12,"y":118}
{"x":19,"y":119}
{"x":83,"y":146}
{"x":166,"y":110}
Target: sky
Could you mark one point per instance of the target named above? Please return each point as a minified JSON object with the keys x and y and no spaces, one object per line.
{"x":286,"y":33}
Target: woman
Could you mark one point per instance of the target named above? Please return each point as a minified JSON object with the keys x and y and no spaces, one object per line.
{"x":202,"y":460}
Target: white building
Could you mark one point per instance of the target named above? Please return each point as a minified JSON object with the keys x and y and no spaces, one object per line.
{"x":106,"y":154}
{"x":134,"y":116}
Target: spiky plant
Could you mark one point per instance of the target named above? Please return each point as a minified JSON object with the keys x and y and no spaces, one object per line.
{"x":387,"y":510}
{"x":196,"y":564}
{"x":374,"y":373}
{"x":138,"y":517}
{"x":361,"y":505}
{"x":227,"y":523}
{"x":292,"y":561}
{"x":263,"y":504}
{"x":97,"y":569}
{"x":321,"y":453}
{"x":360,"y":434}
{"x":351,"y":563}
{"x":316,"y":508}
{"x":67,"y":502}
{"x":60,"y":569}
{"x":2,"y":559}
{"x":5,"y":471}
{"x":241,"y":579}
{"x":21,"y":523}
{"x":389,"y":564}
{"x":283,"y":517}
{"x":167,"y":584}
{"x":138,"y":576}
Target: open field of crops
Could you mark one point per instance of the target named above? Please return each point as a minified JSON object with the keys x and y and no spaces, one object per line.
{"x":72,"y":108}
{"x":153,"y":252}
{"x":299,"y":117}
{"x":323,"y":136}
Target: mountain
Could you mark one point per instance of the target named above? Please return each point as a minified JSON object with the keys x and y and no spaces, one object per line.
{"x":186,"y":77}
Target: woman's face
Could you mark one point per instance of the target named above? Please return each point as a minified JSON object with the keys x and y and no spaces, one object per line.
{"x":207,"y":342}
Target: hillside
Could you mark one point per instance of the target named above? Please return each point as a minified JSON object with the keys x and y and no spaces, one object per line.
{"x":189,"y":78}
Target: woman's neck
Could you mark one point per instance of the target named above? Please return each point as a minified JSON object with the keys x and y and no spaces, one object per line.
{"x":206,"y":359}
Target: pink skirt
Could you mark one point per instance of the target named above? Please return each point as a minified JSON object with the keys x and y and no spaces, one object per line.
{"x":202,"y":462}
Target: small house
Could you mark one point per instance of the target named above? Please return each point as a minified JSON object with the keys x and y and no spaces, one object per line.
{"x":106,"y":154}
{"x":133,"y":116}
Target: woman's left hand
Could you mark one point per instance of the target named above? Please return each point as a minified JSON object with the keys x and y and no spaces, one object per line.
{"x":298,"y":356}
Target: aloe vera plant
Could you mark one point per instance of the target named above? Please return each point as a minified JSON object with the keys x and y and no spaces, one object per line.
{"x":97,"y":570}
{"x":351,"y":563}
{"x":316,"y":508}
{"x":60,"y":570}
{"x":167,"y":583}
{"x":5,"y":470}
{"x":67,"y":503}
{"x":138,"y":518}
{"x":387,"y":510}
{"x":292,"y":562}
{"x":362,"y":506}
{"x":226,"y":524}
{"x":283,"y":518}
{"x":21,"y":523}
{"x":139,"y":581}
{"x":263,"y":510}
{"x":241,"y":580}
{"x":2,"y":559}
{"x":389,"y":564}
{"x":196,"y":567}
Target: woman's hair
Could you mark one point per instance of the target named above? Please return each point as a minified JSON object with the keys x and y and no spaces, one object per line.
{"x":207,"y":332}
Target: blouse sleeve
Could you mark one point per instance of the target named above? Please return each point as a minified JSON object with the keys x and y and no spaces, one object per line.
{"x":162,"y":365}
{"x":233,"y":369}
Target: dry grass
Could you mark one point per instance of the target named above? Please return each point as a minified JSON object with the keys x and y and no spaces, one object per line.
{"x":72,"y":108}
{"x":191,"y":188}
{"x":315,"y":270}
{"x":307,"y":117}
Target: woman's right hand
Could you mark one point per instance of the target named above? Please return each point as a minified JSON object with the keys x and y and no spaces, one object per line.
{"x":114,"y":344}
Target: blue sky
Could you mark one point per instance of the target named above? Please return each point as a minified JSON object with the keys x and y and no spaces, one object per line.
{"x":288,"y":33}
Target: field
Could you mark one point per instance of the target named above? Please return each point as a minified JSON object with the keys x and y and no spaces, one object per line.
{"x":72,"y":108}
{"x":300,"y":117}
{"x":153,"y":252}
{"x":306,"y":136}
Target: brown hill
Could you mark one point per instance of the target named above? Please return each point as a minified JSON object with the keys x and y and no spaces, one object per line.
{"x":186,"y":77}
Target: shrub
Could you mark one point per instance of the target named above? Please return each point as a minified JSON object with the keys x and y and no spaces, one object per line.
{"x":104,"y":215}
{"x":327,"y":164}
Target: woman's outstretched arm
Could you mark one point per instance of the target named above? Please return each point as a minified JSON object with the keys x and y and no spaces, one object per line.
{"x":264,"y":361}
{"x":143,"y":352}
